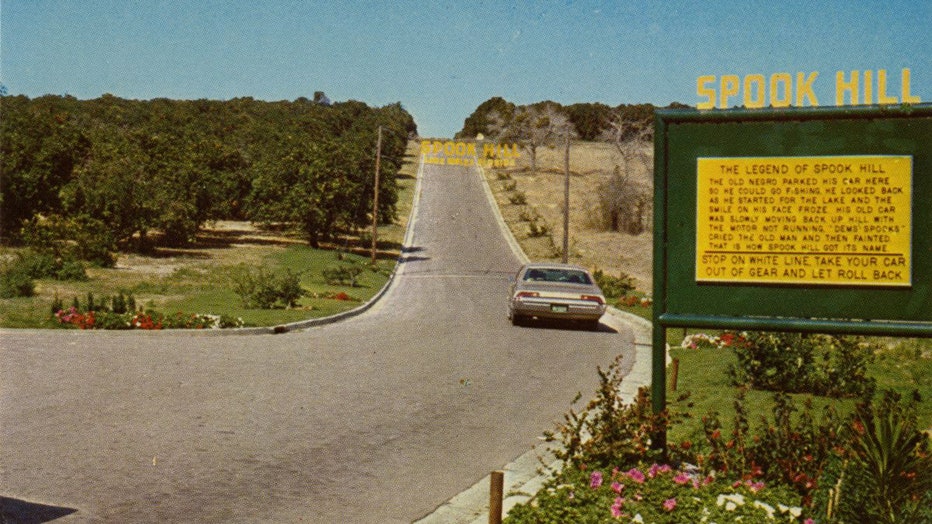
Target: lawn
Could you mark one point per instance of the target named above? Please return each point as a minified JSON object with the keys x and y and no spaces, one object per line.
{"x":198,"y":279}
{"x":904,"y":366}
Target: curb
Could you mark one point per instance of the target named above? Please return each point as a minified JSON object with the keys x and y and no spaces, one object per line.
{"x":526,"y":475}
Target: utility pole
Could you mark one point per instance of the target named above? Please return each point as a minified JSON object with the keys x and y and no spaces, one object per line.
{"x":566,"y":199}
{"x":375,"y":195}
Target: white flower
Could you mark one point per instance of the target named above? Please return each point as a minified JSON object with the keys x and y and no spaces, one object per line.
{"x":766,"y":507}
{"x":794,"y":511}
{"x":730,"y":501}
{"x":638,"y":518}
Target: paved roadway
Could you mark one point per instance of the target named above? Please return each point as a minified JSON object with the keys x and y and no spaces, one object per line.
{"x":380,"y":418}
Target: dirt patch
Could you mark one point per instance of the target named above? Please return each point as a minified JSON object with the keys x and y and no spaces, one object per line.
{"x":590,"y":246}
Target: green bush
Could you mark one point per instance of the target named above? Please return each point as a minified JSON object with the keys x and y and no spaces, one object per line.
{"x":71,"y":239}
{"x":613,"y":287}
{"x":44,"y":264}
{"x":606,"y":432}
{"x":263,"y":289}
{"x":16,"y":281}
{"x":884,"y":474}
{"x":346,"y":275}
{"x":827,"y":365}
{"x":792,"y":449}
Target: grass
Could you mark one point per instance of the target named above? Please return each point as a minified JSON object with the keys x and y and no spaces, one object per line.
{"x":197,"y":279}
{"x":903,"y":366}
{"x":530,"y":202}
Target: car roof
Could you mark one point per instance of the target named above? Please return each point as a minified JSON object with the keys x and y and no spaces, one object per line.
{"x":553,"y":265}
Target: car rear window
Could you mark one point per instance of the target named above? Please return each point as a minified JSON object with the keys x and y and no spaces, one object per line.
{"x":570,"y":276}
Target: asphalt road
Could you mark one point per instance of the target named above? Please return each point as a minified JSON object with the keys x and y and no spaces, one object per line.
{"x":380,"y":418}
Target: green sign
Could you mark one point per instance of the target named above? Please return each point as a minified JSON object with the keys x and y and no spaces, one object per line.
{"x":815,"y":219}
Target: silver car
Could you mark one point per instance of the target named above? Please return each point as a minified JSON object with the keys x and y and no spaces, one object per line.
{"x":555,"y":291}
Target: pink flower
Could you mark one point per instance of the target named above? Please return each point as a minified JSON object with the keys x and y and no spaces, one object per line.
{"x":636,"y":475}
{"x":616,"y":507}
{"x":755,"y":486}
{"x":681,"y":478}
{"x":595,"y":480}
{"x":669,"y":504}
{"x":617,"y":487}
{"x":808,"y":521}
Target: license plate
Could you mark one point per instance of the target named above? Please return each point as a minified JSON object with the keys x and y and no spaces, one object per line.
{"x":559,"y":308}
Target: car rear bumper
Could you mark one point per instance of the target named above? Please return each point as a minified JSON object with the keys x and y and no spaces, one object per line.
{"x":557,"y":308}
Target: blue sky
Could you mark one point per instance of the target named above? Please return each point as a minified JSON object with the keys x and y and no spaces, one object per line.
{"x":442,"y":59}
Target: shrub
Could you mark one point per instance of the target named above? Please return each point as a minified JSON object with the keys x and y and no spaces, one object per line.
{"x":44,"y":264}
{"x":72,"y":239}
{"x":885,"y":474}
{"x":804,"y":363}
{"x":607,"y":432}
{"x":348,"y":275}
{"x":791,"y":449}
{"x":16,"y":281}
{"x":613,"y":287}
{"x":518,"y":198}
{"x":263,"y":289}
{"x":536,"y":230}
{"x":72,"y":270}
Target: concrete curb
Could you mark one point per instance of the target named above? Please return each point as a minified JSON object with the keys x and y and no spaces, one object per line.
{"x":526,"y":475}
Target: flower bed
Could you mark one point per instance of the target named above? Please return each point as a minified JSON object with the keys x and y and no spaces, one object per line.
{"x":658,"y":493}
{"x":150,"y":320}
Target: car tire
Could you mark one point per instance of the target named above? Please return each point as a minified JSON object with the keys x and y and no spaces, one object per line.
{"x":592,"y":325}
{"x":517,"y":320}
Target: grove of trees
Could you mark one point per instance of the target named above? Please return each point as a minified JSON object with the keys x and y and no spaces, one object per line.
{"x":117,"y":171}
{"x":625,"y":193}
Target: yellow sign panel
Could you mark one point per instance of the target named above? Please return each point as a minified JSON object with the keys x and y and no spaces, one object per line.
{"x":826,"y":220}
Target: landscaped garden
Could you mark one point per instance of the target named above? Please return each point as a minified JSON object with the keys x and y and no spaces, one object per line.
{"x":747,"y":441}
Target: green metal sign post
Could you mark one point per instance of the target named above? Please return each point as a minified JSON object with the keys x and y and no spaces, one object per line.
{"x":811,"y":220}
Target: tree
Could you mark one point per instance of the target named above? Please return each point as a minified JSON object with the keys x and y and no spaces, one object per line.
{"x":536,"y":126}
{"x":485,"y":118}
{"x":42,"y":143}
{"x":589,"y":119}
{"x":625,"y":198}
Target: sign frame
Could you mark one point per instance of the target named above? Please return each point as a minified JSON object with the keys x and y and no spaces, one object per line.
{"x":683,"y":136}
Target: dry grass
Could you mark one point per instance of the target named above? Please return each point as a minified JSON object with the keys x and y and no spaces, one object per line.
{"x":590,"y":164}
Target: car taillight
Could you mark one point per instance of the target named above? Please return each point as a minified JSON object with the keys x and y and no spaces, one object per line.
{"x":593,"y":298}
{"x":527,"y":294}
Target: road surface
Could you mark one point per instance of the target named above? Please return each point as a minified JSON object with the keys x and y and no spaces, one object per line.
{"x":380,"y":418}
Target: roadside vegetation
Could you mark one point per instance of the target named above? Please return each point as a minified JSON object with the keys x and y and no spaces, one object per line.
{"x":231,"y":273}
{"x":761,"y":427}
{"x":743,"y":450}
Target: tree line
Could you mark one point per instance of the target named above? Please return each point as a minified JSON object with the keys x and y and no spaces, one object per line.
{"x":113,"y":172}
{"x":591,"y":121}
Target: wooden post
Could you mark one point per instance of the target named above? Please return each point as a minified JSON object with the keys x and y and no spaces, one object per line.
{"x":496,"y":493}
{"x":566,"y":200}
{"x":675,"y":374}
{"x":375,"y":196}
